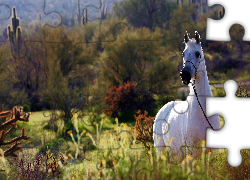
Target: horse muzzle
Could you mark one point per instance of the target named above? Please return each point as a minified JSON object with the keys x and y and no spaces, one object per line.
{"x":185,"y":76}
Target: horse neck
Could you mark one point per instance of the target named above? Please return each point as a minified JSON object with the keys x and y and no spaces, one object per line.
{"x":201,"y":82}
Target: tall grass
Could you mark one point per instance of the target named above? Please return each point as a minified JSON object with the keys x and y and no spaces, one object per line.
{"x":118,"y":156}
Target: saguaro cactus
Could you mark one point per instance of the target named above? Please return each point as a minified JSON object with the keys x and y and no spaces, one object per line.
{"x":78,"y":12}
{"x":39,"y":18}
{"x":72,"y":20}
{"x":85,"y":16}
{"x":15,"y":31}
{"x":103,"y":10}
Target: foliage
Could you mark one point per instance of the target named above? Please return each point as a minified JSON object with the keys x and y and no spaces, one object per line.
{"x":219,"y":47}
{"x":52,"y":169}
{"x":219,"y":166}
{"x":181,"y":22}
{"x":26,"y":108}
{"x":145,"y":13}
{"x":131,"y":60}
{"x":67,"y":78}
{"x":53,"y":146}
{"x":218,"y":92}
{"x":127,"y":97}
{"x":79,"y":136}
{"x":242,"y":93}
{"x":144,"y":129}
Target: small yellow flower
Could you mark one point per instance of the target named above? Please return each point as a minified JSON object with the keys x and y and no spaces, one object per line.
{"x":94,"y":123}
{"x":165,"y":130}
{"x":66,"y":157}
{"x":114,"y":128}
{"x":102,"y":120}
{"x":74,"y":115}
{"x":172,"y":138}
{"x":116,"y":119}
{"x":166,"y":125}
{"x":209,"y":153}
{"x":84,"y":131}
{"x":189,"y":157}
{"x":168,"y":141}
{"x":70,"y":131}
{"x":87,"y":134}
{"x":197,"y":167}
{"x":203,"y":142}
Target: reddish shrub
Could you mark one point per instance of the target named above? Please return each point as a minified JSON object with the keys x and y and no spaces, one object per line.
{"x":144,"y":128}
{"x":127,"y":97}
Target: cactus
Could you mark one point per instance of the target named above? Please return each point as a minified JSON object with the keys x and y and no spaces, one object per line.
{"x":78,"y":12}
{"x":9,"y":126}
{"x":15,"y":31}
{"x":72,"y":20}
{"x":103,"y":10}
{"x":39,"y":17}
{"x":14,"y":20}
{"x":85,"y":16}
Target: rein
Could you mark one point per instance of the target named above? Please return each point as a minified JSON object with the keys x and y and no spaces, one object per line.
{"x":193,"y":84}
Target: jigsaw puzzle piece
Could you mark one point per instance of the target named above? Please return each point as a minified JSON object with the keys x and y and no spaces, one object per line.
{"x":52,"y":9}
{"x":219,"y":30}
{"x":225,"y":138}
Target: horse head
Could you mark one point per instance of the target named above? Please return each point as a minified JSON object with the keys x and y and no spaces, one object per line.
{"x":192,"y":56}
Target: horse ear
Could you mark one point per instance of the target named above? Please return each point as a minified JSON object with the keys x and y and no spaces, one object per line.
{"x":197,"y":37}
{"x":186,"y":38}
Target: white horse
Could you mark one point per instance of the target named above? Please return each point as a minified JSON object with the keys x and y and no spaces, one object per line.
{"x":181,"y":123}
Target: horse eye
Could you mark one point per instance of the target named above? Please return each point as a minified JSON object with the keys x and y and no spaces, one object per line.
{"x":197,"y":54}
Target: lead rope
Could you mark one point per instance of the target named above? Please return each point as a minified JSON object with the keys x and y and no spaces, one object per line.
{"x":193,"y":84}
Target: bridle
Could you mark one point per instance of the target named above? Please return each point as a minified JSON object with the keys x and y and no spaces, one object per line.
{"x":193,"y":84}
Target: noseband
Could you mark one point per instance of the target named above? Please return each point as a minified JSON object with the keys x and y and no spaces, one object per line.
{"x":193,"y":84}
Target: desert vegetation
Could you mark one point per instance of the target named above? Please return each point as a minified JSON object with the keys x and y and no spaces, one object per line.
{"x":89,"y":93}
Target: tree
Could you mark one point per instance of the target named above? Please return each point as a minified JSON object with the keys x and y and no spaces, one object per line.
{"x":180,"y":22}
{"x":68,"y":75}
{"x":145,"y":13}
{"x":127,"y":58}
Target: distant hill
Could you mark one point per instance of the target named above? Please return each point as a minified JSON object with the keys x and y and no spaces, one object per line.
{"x":28,"y":10}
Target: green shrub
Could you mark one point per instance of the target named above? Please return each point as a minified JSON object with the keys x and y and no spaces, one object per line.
{"x":51,"y":126}
{"x":53,"y":146}
{"x":218,"y":92}
{"x":242,"y":93}
{"x":26,"y":108}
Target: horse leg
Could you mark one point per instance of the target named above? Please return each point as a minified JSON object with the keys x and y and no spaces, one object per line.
{"x":158,"y":136}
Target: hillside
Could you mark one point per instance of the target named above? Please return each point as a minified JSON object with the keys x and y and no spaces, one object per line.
{"x":28,"y":10}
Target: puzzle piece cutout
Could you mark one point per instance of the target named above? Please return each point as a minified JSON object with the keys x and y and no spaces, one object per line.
{"x":219,"y":29}
{"x":224,"y":138}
